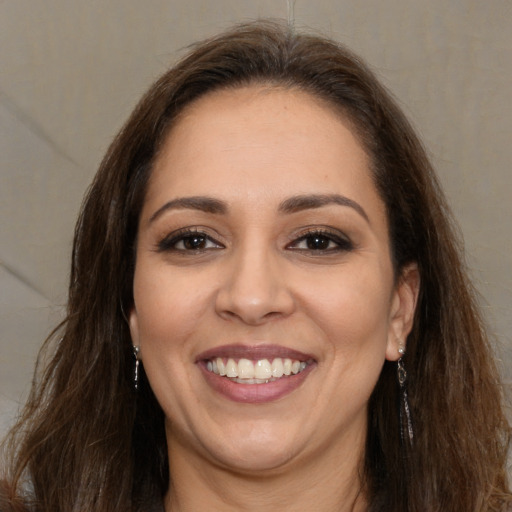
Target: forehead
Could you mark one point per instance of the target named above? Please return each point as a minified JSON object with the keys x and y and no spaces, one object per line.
{"x":235,"y":142}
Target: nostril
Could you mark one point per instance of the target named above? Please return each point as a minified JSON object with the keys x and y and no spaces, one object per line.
{"x":252,"y":312}
{"x":248,"y":318}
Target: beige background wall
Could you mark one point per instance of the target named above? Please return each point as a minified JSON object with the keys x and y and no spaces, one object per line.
{"x":70,"y":72}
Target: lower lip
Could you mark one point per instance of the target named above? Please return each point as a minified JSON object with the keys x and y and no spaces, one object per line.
{"x":255,"y":393}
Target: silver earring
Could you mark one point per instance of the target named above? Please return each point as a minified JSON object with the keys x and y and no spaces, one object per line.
{"x":136,"y":350}
{"x":405,"y":410}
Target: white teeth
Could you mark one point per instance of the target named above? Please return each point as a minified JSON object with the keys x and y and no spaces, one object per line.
{"x":231,"y":368}
{"x":221,"y":367}
{"x":245,"y":369}
{"x":277,"y":367}
{"x":255,"y":372}
{"x":262,"y":369}
{"x":253,"y":381}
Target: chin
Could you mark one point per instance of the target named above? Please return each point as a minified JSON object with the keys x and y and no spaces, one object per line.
{"x":253,"y":448}
{"x":256,"y":459}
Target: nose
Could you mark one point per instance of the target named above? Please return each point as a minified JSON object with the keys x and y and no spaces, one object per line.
{"x":254,"y":289}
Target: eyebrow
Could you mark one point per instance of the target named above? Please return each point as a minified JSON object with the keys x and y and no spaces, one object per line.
{"x":291,"y":205}
{"x":201,"y":203}
{"x":306,"y":202}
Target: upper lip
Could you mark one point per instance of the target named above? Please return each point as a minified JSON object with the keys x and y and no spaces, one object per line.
{"x":253,"y":352}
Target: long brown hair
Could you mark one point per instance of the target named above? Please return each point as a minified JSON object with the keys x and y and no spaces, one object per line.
{"x":87,"y":441}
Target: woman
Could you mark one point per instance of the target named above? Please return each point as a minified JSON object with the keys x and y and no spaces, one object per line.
{"x":267,"y":308}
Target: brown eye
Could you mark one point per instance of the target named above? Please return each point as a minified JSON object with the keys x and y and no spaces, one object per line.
{"x":317,"y":242}
{"x":321,"y":242}
{"x":194,"y":242}
{"x":188,"y":241}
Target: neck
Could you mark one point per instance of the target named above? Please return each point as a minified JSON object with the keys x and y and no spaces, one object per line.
{"x":332,"y":484}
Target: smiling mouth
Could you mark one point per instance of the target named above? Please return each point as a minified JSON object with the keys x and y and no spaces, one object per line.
{"x":255,"y":374}
{"x":260,"y":371}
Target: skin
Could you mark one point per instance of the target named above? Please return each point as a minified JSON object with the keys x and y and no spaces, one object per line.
{"x":259,"y":278}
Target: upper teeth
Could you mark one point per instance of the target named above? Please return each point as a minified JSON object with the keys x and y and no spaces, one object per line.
{"x":261,"y":369}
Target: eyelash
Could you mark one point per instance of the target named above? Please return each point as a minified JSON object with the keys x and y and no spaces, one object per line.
{"x":170,"y":243}
{"x":343,"y":244}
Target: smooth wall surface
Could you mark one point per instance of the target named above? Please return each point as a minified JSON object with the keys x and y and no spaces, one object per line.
{"x":70,"y":72}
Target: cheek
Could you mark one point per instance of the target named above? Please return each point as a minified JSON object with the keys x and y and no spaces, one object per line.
{"x":168,"y":306}
{"x":166,"y":314}
{"x":352,"y":308}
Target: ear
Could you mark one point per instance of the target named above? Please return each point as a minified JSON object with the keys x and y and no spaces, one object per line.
{"x":133,"y":322}
{"x":403,"y":306}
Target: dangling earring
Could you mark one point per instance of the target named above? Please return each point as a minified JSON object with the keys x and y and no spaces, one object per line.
{"x":405,"y":411}
{"x":136,"y":350}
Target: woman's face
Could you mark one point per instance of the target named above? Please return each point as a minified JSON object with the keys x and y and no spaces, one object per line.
{"x":263,"y":255}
